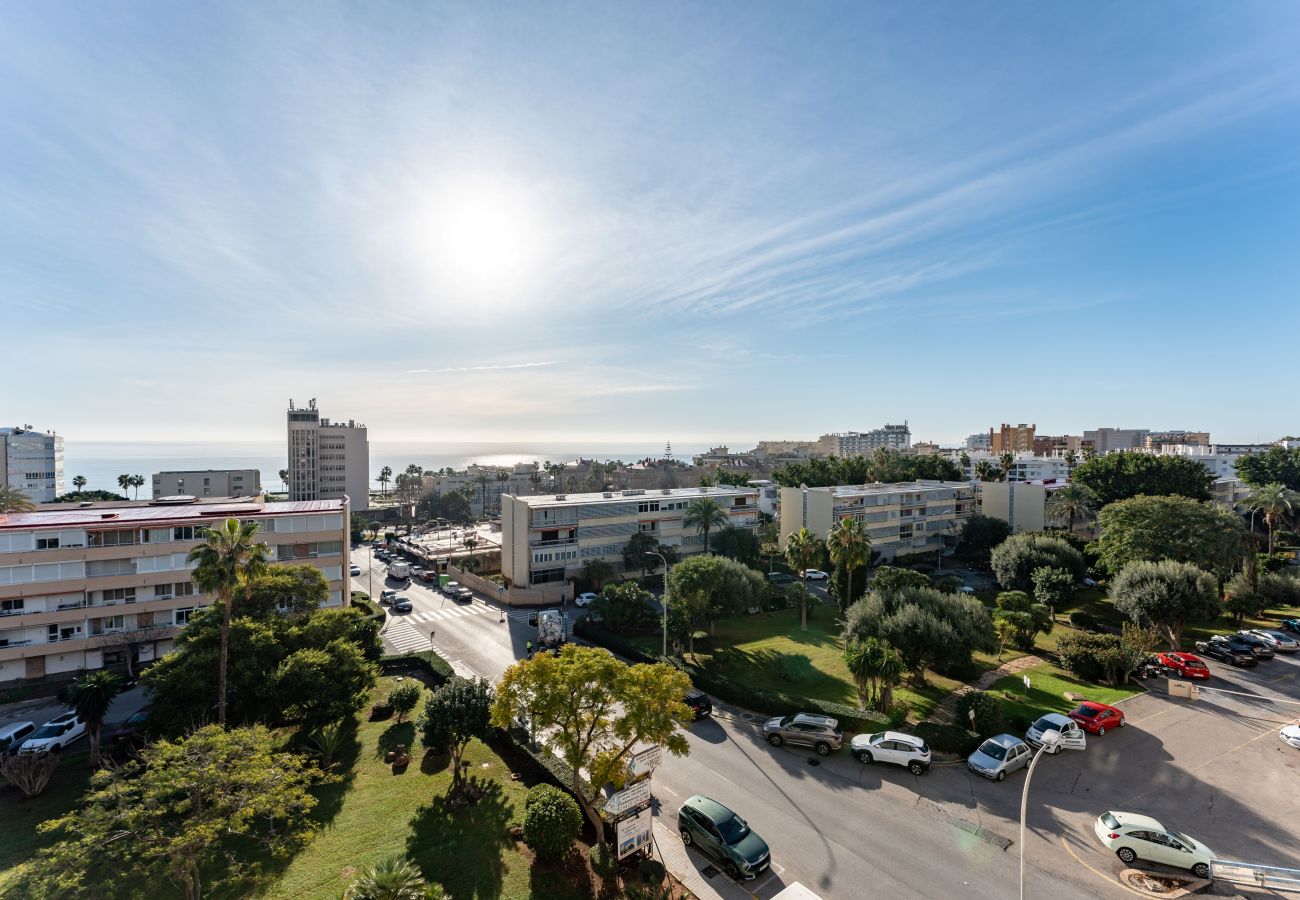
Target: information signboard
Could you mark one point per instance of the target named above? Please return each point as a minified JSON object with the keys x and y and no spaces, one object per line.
{"x":634,"y":832}
{"x":646,"y":761}
{"x":634,"y":795}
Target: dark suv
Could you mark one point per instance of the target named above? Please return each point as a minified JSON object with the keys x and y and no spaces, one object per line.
{"x":718,"y":832}
{"x":1232,"y":652}
{"x":1260,"y":647}
{"x":699,"y":703}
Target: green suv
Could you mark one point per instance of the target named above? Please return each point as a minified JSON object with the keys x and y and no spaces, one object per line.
{"x":719,"y":833}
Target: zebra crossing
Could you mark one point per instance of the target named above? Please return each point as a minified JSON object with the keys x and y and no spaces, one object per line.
{"x":447,"y":612}
{"x":402,"y":636}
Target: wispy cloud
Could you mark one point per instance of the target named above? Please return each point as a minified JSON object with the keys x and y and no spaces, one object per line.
{"x":494,"y":368}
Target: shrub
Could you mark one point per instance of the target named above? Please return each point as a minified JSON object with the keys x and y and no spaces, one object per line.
{"x":794,"y":666}
{"x":651,"y":872}
{"x":948,"y":738}
{"x":327,"y":742}
{"x":552,"y":820}
{"x":1088,"y":655}
{"x":987,"y":708}
{"x":1085,"y":620}
{"x":404,"y":698}
{"x":392,"y":878}
{"x":1016,"y":558}
{"x":603,"y":862}
{"x":29,"y":772}
{"x":897,"y":716}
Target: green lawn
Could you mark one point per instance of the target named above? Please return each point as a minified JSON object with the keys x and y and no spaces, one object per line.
{"x":750,"y":650}
{"x":370,"y":814}
{"x":1048,"y":686}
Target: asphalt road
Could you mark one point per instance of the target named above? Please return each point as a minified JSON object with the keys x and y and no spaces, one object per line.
{"x":42,"y":710}
{"x":1213,"y":767}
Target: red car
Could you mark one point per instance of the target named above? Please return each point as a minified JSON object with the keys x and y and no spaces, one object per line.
{"x":1184,"y":664}
{"x":1097,"y":717}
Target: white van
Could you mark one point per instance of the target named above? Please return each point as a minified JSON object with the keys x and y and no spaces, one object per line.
{"x":13,"y":734}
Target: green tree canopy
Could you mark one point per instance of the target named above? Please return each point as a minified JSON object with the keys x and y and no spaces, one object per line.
{"x":929,"y":629}
{"x":740,"y":544}
{"x":456,"y":713}
{"x":887,"y":579}
{"x":637,"y":554}
{"x":1053,"y":587}
{"x":313,"y":687}
{"x":1277,"y":503}
{"x":703,"y":589}
{"x":1166,"y":594}
{"x":281,"y":589}
{"x":1015,"y":559}
{"x":980,"y":535}
{"x":888,"y":466}
{"x":624,"y":607}
{"x":1025,"y":617}
{"x":201,"y":811}
{"x":595,"y":710}
{"x":1276,"y":465}
{"x":1153,"y":528}
{"x":704,"y":515}
{"x":1118,"y":476}
{"x":849,"y":548}
{"x":91,"y":694}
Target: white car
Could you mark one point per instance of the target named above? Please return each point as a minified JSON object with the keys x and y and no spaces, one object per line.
{"x":354,"y":570}
{"x":815,"y":575}
{"x":1133,"y":837}
{"x":584,"y":599}
{"x":1278,"y":640}
{"x":55,"y":734}
{"x":1050,"y":722}
{"x":1290,"y":734}
{"x":892,"y":747}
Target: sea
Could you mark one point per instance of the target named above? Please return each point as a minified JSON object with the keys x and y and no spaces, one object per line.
{"x":102,"y":461}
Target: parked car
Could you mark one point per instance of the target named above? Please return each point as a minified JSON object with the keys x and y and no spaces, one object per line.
{"x":1096,"y":718}
{"x":584,"y":599}
{"x":699,"y":703}
{"x":1292,"y":625}
{"x":354,"y":569}
{"x":1132,"y":837}
{"x":781,"y":578}
{"x":1089,"y":582}
{"x":822,"y":733}
{"x":1184,"y":665}
{"x":1050,"y":722}
{"x":1232,"y":653}
{"x":402,"y":604}
{"x":815,"y":575}
{"x":55,"y":734}
{"x":892,"y":747}
{"x":719,"y":833}
{"x":1261,"y":648}
{"x":450,"y":588}
{"x":463,"y":595}
{"x":1290,"y":734}
{"x":387,"y":596}
{"x":134,"y":731}
{"x":999,"y":756}
{"x":1280,"y":641}
{"x":13,"y":734}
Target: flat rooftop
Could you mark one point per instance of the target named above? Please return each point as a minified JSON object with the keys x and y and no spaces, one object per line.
{"x":541,"y":500}
{"x":900,"y":487}
{"x":163,"y":509}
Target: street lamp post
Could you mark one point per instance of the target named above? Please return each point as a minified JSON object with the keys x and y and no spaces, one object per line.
{"x":1051,"y":739}
{"x":665,"y":600}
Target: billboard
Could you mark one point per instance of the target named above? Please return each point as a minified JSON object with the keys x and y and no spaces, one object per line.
{"x":634,"y":832}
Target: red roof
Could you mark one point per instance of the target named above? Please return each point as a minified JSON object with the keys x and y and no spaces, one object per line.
{"x":146,"y":514}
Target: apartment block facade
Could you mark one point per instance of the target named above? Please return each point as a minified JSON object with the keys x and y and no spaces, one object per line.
{"x":864,"y":443}
{"x":31,"y":462}
{"x":1108,"y":440}
{"x":1020,"y":504}
{"x":904,"y":518}
{"x":1012,"y":438}
{"x":208,"y":483}
{"x":86,"y":586}
{"x":549,"y":538}
{"x":327,"y":460}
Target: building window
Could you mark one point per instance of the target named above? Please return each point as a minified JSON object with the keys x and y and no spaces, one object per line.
{"x":11,"y":607}
{"x":47,"y":543}
{"x":182,"y":616}
{"x":183,"y":589}
{"x":120,"y":595}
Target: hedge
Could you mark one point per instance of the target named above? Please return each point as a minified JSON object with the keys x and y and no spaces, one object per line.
{"x":372,"y":609}
{"x":948,"y":738}
{"x":850,"y":717}
{"x":433,"y":665}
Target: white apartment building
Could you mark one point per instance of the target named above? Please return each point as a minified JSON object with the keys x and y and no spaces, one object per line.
{"x":208,"y":483}
{"x":769,"y":496}
{"x":1024,"y":466}
{"x":85,"y":586}
{"x":547,"y":539}
{"x":981,"y":441}
{"x":863,"y":443}
{"x":1219,"y":459}
{"x":904,"y":518}
{"x":1107,"y":440}
{"x":327,"y":460}
{"x":32,"y":462}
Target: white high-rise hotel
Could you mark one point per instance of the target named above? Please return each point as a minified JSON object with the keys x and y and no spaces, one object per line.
{"x":327,"y":460}
{"x":31,"y":462}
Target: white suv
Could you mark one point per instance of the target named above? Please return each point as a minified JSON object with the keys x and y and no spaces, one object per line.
{"x":55,"y":734}
{"x":892,"y":747}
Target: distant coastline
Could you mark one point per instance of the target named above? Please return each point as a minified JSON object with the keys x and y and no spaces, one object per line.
{"x":102,"y":461}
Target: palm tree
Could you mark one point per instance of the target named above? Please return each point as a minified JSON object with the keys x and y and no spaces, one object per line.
{"x":284,"y":479}
{"x":863,"y":664}
{"x":769,"y":536}
{"x":703,"y":515}
{"x":79,"y":483}
{"x":1277,"y":502}
{"x":802,"y":550}
{"x":557,"y":470}
{"x":890,"y":673}
{"x":1073,"y":500}
{"x":227,"y":559}
{"x":483,"y":480}
{"x":137,"y":482}
{"x":1071,"y":460}
{"x":13,"y":500}
{"x":849,"y":548}
{"x":385,"y":476}
{"x":392,"y":878}
{"x":504,"y":478}
{"x":1089,"y":452}
{"x":124,"y":482}
{"x":984,"y":470}
{"x":91,"y":695}
{"x":535,"y":479}
{"x":964,"y":460}
{"x":1006,"y":459}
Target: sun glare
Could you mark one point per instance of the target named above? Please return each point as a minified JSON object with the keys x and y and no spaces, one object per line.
{"x":485,"y":237}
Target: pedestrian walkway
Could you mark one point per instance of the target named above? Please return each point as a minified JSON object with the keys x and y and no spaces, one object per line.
{"x":946,"y":711}
{"x":447,"y":612}
{"x":402,"y":636}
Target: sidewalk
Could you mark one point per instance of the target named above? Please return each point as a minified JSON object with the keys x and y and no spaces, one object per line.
{"x":946,"y":711}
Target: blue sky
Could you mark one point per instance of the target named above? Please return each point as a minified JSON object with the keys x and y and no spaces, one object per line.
{"x":658,"y":221}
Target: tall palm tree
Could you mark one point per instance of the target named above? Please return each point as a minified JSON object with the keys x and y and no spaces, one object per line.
{"x":385,"y":476}
{"x":226,"y":560}
{"x":284,"y":479}
{"x":1277,"y":502}
{"x":557,"y":471}
{"x":703,"y":515}
{"x":91,"y":695}
{"x":137,"y":482}
{"x":1006,"y":459}
{"x":392,"y":878}
{"x":13,"y":500}
{"x":79,"y":483}
{"x":1089,"y":452}
{"x":964,"y":460}
{"x":504,"y":477}
{"x":535,"y":479}
{"x":1070,"y":502}
{"x":124,"y":482}
{"x":983,"y":470}
{"x":849,"y":548}
{"x":1071,"y":460}
{"x":802,"y":550}
{"x":890,"y":673}
{"x":483,"y":480}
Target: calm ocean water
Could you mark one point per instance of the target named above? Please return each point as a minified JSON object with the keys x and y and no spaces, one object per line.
{"x":102,"y":462}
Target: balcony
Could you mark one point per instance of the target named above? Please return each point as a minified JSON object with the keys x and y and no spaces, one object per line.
{"x":558,"y":542}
